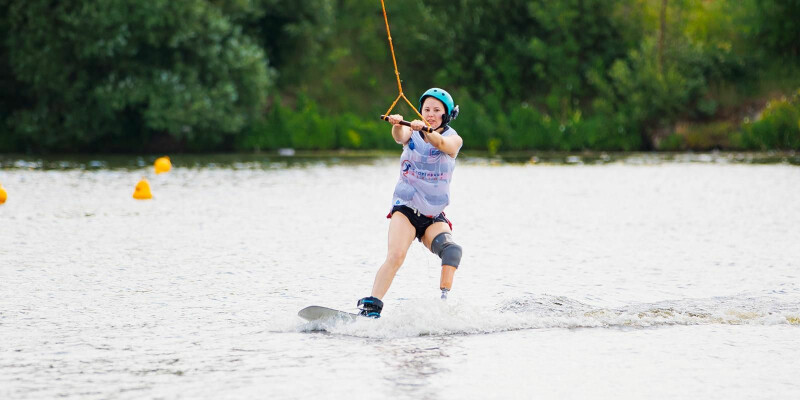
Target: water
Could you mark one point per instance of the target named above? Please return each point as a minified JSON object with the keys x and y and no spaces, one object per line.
{"x":641,"y":277}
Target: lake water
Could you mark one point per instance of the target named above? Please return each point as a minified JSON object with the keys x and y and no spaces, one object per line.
{"x":655,"y":277}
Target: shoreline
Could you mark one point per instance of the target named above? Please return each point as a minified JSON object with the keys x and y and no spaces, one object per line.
{"x":274,"y":159}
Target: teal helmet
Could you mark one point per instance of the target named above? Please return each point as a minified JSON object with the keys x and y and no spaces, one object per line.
{"x":451,"y":109}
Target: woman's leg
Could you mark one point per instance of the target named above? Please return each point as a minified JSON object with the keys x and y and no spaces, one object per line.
{"x":401,"y":235}
{"x":448,"y":271}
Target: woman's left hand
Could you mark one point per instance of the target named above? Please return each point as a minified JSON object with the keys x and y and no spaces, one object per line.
{"x":417,"y":125}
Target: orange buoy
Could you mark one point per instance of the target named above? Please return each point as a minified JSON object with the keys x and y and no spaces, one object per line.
{"x":3,"y":194}
{"x":142,"y":191}
{"x":162,"y":165}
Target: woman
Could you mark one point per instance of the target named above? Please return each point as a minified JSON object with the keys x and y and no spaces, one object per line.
{"x":421,"y":194}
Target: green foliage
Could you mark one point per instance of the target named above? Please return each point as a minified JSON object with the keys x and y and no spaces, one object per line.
{"x":673,"y":142}
{"x":777,"y":27}
{"x":569,"y":75}
{"x":647,"y":96}
{"x":478,"y":127}
{"x":703,"y":137}
{"x":305,"y":127}
{"x":778,"y":127}
{"x":519,"y":48}
{"x":111,"y":74}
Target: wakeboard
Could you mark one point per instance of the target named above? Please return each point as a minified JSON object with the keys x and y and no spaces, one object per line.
{"x":318,"y":313}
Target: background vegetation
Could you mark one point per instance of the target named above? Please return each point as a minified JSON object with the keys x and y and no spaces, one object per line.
{"x":223,"y":75}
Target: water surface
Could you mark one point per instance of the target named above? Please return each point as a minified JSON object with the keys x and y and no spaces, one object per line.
{"x":584,"y":277}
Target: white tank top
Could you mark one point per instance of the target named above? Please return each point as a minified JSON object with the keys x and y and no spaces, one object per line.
{"x":425,"y":175}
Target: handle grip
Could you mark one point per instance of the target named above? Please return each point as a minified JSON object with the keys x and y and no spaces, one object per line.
{"x":406,"y":123}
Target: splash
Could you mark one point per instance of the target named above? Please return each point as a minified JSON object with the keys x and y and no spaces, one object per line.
{"x":435,"y":317}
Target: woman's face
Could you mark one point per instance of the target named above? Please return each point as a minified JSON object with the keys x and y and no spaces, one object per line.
{"x":432,"y":110}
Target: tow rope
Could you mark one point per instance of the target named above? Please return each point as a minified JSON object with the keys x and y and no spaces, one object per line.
{"x":400,"y":95}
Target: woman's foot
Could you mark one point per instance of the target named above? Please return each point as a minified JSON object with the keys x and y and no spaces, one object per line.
{"x":370,"y":307}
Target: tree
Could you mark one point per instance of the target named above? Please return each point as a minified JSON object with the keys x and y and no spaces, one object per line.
{"x":779,"y":26}
{"x":118,"y":74}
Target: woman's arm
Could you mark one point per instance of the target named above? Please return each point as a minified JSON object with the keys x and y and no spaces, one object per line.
{"x":447,"y":144}
{"x":400,"y":133}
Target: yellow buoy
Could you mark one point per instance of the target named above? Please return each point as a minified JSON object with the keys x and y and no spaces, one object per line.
{"x":142,"y":191}
{"x":3,"y":195}
{"x":162,"y":165}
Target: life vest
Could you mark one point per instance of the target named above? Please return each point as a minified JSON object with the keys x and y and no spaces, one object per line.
{"x":425,"y":176}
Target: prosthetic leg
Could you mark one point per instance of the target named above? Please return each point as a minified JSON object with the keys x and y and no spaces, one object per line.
{"x":450,"y":253}
{"x":446,"y":282}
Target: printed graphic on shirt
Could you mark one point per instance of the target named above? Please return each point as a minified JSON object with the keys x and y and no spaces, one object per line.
{"x":424,"y":171}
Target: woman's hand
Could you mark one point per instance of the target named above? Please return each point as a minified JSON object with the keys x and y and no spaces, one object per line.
{"x":395,"y":119}
{"x":417,"y":125}
{"x":400,"y":133}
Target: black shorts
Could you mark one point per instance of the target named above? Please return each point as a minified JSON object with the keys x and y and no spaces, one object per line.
{"x":420,"y":222}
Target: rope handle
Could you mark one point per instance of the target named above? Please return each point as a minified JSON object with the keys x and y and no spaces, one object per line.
{"x":408,"y":124}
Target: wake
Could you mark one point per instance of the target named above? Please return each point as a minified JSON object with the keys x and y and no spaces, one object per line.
{"x":416,"y":318}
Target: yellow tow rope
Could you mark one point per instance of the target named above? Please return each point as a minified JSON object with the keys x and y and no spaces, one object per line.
{"x":397,"y":73}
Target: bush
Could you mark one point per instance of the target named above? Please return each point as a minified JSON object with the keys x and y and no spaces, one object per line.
{"x":305,"y":127}
{"x":715,"y":135}
{"x":778,"y":127}
{"x":356,"y":133}
{"x":673,"y":142}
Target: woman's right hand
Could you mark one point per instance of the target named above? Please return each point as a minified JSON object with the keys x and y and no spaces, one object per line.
{"x":395,"y":119}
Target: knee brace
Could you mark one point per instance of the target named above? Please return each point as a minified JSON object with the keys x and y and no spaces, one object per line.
{"x":444,"y":247}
